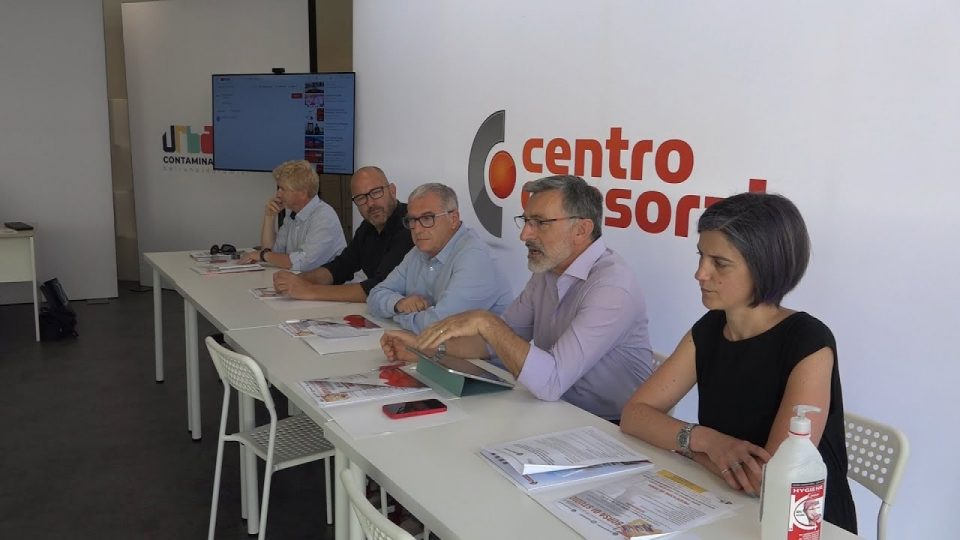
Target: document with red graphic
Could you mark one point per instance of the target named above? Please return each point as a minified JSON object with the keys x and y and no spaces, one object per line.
{"x":349,"y":326}
{"x":383,"y":381}
{"x":645,"y":505}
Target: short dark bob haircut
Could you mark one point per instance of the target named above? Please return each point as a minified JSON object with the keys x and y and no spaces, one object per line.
{"x":770,"y":234}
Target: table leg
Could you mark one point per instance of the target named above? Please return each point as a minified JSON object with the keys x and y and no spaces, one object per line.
{"x":193,"y":369}
{"x":158,"y":325}
{"x":36,"y":306}
{"x":249,"y":463}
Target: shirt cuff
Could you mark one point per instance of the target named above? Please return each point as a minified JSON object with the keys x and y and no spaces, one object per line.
{"x":537,"y":372}
{"x":296,"y":260}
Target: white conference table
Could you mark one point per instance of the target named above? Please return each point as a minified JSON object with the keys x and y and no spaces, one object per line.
{"x":436,"y":472}
{"x":225,"y":301}
{"x":18,"y":263}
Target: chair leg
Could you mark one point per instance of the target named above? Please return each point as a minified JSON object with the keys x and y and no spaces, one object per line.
{"x":384,"y":508}
{"x":882,"y":521}
{"x":268,"y":475}
{"x":329,"y":482}
{"x":219,"y":467}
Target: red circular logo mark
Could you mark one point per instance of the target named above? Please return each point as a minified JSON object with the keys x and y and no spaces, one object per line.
{"x":502,"y":174}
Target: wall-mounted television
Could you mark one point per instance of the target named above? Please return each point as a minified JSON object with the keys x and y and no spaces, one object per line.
{"x":262,"y":120}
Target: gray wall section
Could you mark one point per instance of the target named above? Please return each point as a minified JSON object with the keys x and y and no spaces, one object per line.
{"x":55,"y":147}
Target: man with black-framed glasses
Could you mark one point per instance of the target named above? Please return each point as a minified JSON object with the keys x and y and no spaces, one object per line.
{"x":450,"y":271}
{"x":377,"y":247}
{"x":578,"y":330}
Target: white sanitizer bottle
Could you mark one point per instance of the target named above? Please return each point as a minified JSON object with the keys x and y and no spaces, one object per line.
{"x":794,"y":485}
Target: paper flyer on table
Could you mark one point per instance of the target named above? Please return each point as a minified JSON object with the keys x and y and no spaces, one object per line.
{"x":226,"y":268}
{"x":535,"y":482}
{"x":362,"y":420}
{"x":330,"y":346}
{"x":391,"y":381}
{"x":349,"y":326}
{"x":571,"y":449}
{"x":643,"y":505}
{"x":266,"y":293}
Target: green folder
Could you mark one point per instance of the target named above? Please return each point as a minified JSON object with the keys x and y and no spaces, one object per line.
{"x":465,"y":379}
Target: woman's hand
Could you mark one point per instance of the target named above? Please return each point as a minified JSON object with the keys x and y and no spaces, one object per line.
{"x":738,"y":462}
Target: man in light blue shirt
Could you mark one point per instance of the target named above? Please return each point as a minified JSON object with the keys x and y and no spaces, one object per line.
{"x":448,"y":272}
{"x":311,"y":235}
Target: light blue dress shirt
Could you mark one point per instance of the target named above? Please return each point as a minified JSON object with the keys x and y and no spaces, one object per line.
{"x":589,"y":331}
{"x":312,"y":238}
{"x":463,"y":276}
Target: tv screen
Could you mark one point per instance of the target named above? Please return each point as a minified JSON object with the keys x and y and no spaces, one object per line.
{"x":262,"y":120}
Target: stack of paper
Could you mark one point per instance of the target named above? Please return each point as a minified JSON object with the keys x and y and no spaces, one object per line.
{"x":206,"y":269}
{"x":644,"y":505}
{"x":383,"y":381}
{"x":563,"y":457}
{"x":206,"y":257}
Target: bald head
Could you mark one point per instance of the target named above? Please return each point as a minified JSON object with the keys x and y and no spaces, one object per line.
{"x":374,"y":195}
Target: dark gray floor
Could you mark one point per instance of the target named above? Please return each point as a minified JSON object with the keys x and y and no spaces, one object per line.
{"x":92,"y":447}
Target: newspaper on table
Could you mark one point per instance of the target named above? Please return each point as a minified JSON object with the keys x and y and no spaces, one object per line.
{"x":644,"y":505}
{"x":383,"y":381}
{"x":226,"y":268}
{"x":349,"y":326}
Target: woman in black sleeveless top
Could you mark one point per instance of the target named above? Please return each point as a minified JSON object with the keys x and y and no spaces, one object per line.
{"x":751,"y":359}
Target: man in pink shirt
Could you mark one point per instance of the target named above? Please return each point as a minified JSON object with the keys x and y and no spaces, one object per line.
{"x":578,"y":331}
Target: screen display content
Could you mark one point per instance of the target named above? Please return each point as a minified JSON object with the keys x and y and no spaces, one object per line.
{"x":262,"y":120}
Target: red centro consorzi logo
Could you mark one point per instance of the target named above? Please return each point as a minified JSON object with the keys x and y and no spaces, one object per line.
{"x":614,"y":157}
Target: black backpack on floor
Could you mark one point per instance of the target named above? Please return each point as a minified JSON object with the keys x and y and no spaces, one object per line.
{"x":57,"y":318}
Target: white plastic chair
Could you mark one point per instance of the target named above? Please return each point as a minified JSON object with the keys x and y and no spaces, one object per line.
{"x":282,"y":444}
{"x":876,"y":456}
{"x":375,"y":525}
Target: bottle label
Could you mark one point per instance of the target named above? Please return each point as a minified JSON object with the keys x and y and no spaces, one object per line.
{"x":806,"y":510}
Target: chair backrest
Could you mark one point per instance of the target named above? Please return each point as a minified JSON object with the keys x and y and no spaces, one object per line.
{"x":375,"y":525}
{"x":240,"y":372}
{"x":876,"y":455}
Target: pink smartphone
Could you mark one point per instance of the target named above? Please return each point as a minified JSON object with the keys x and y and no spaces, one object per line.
{"x":408,"y":409}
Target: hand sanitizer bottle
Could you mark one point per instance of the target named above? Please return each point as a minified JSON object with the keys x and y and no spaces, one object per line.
{"x":794,"y":485}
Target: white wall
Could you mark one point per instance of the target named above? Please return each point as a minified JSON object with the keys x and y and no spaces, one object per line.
{"x":54,"y":146}
{"x":847,"y":108}
{"x":171,"y":48}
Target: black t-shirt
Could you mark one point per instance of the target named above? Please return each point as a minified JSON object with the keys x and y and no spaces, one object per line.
{"x":376,"y":253}
{"x":741,"y":384}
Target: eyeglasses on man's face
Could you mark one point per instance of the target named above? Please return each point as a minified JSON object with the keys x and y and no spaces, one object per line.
{"x":374,"y":193}
{"x":426,"y":221}
{"x":537,"y":223}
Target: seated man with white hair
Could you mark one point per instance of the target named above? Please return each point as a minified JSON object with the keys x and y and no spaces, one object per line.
{"x":311,"y":235}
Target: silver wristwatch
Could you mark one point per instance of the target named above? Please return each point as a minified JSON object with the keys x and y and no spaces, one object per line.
{"x":683,"y":439}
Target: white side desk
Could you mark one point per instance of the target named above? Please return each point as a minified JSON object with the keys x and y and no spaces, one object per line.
{"x":436,"y":472}
{"x":18,"y":263}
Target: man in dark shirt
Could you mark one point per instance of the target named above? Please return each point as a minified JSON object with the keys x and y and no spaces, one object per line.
{"x":378,"y":246}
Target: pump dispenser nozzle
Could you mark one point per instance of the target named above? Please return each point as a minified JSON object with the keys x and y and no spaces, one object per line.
{"x":800,"y":424}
